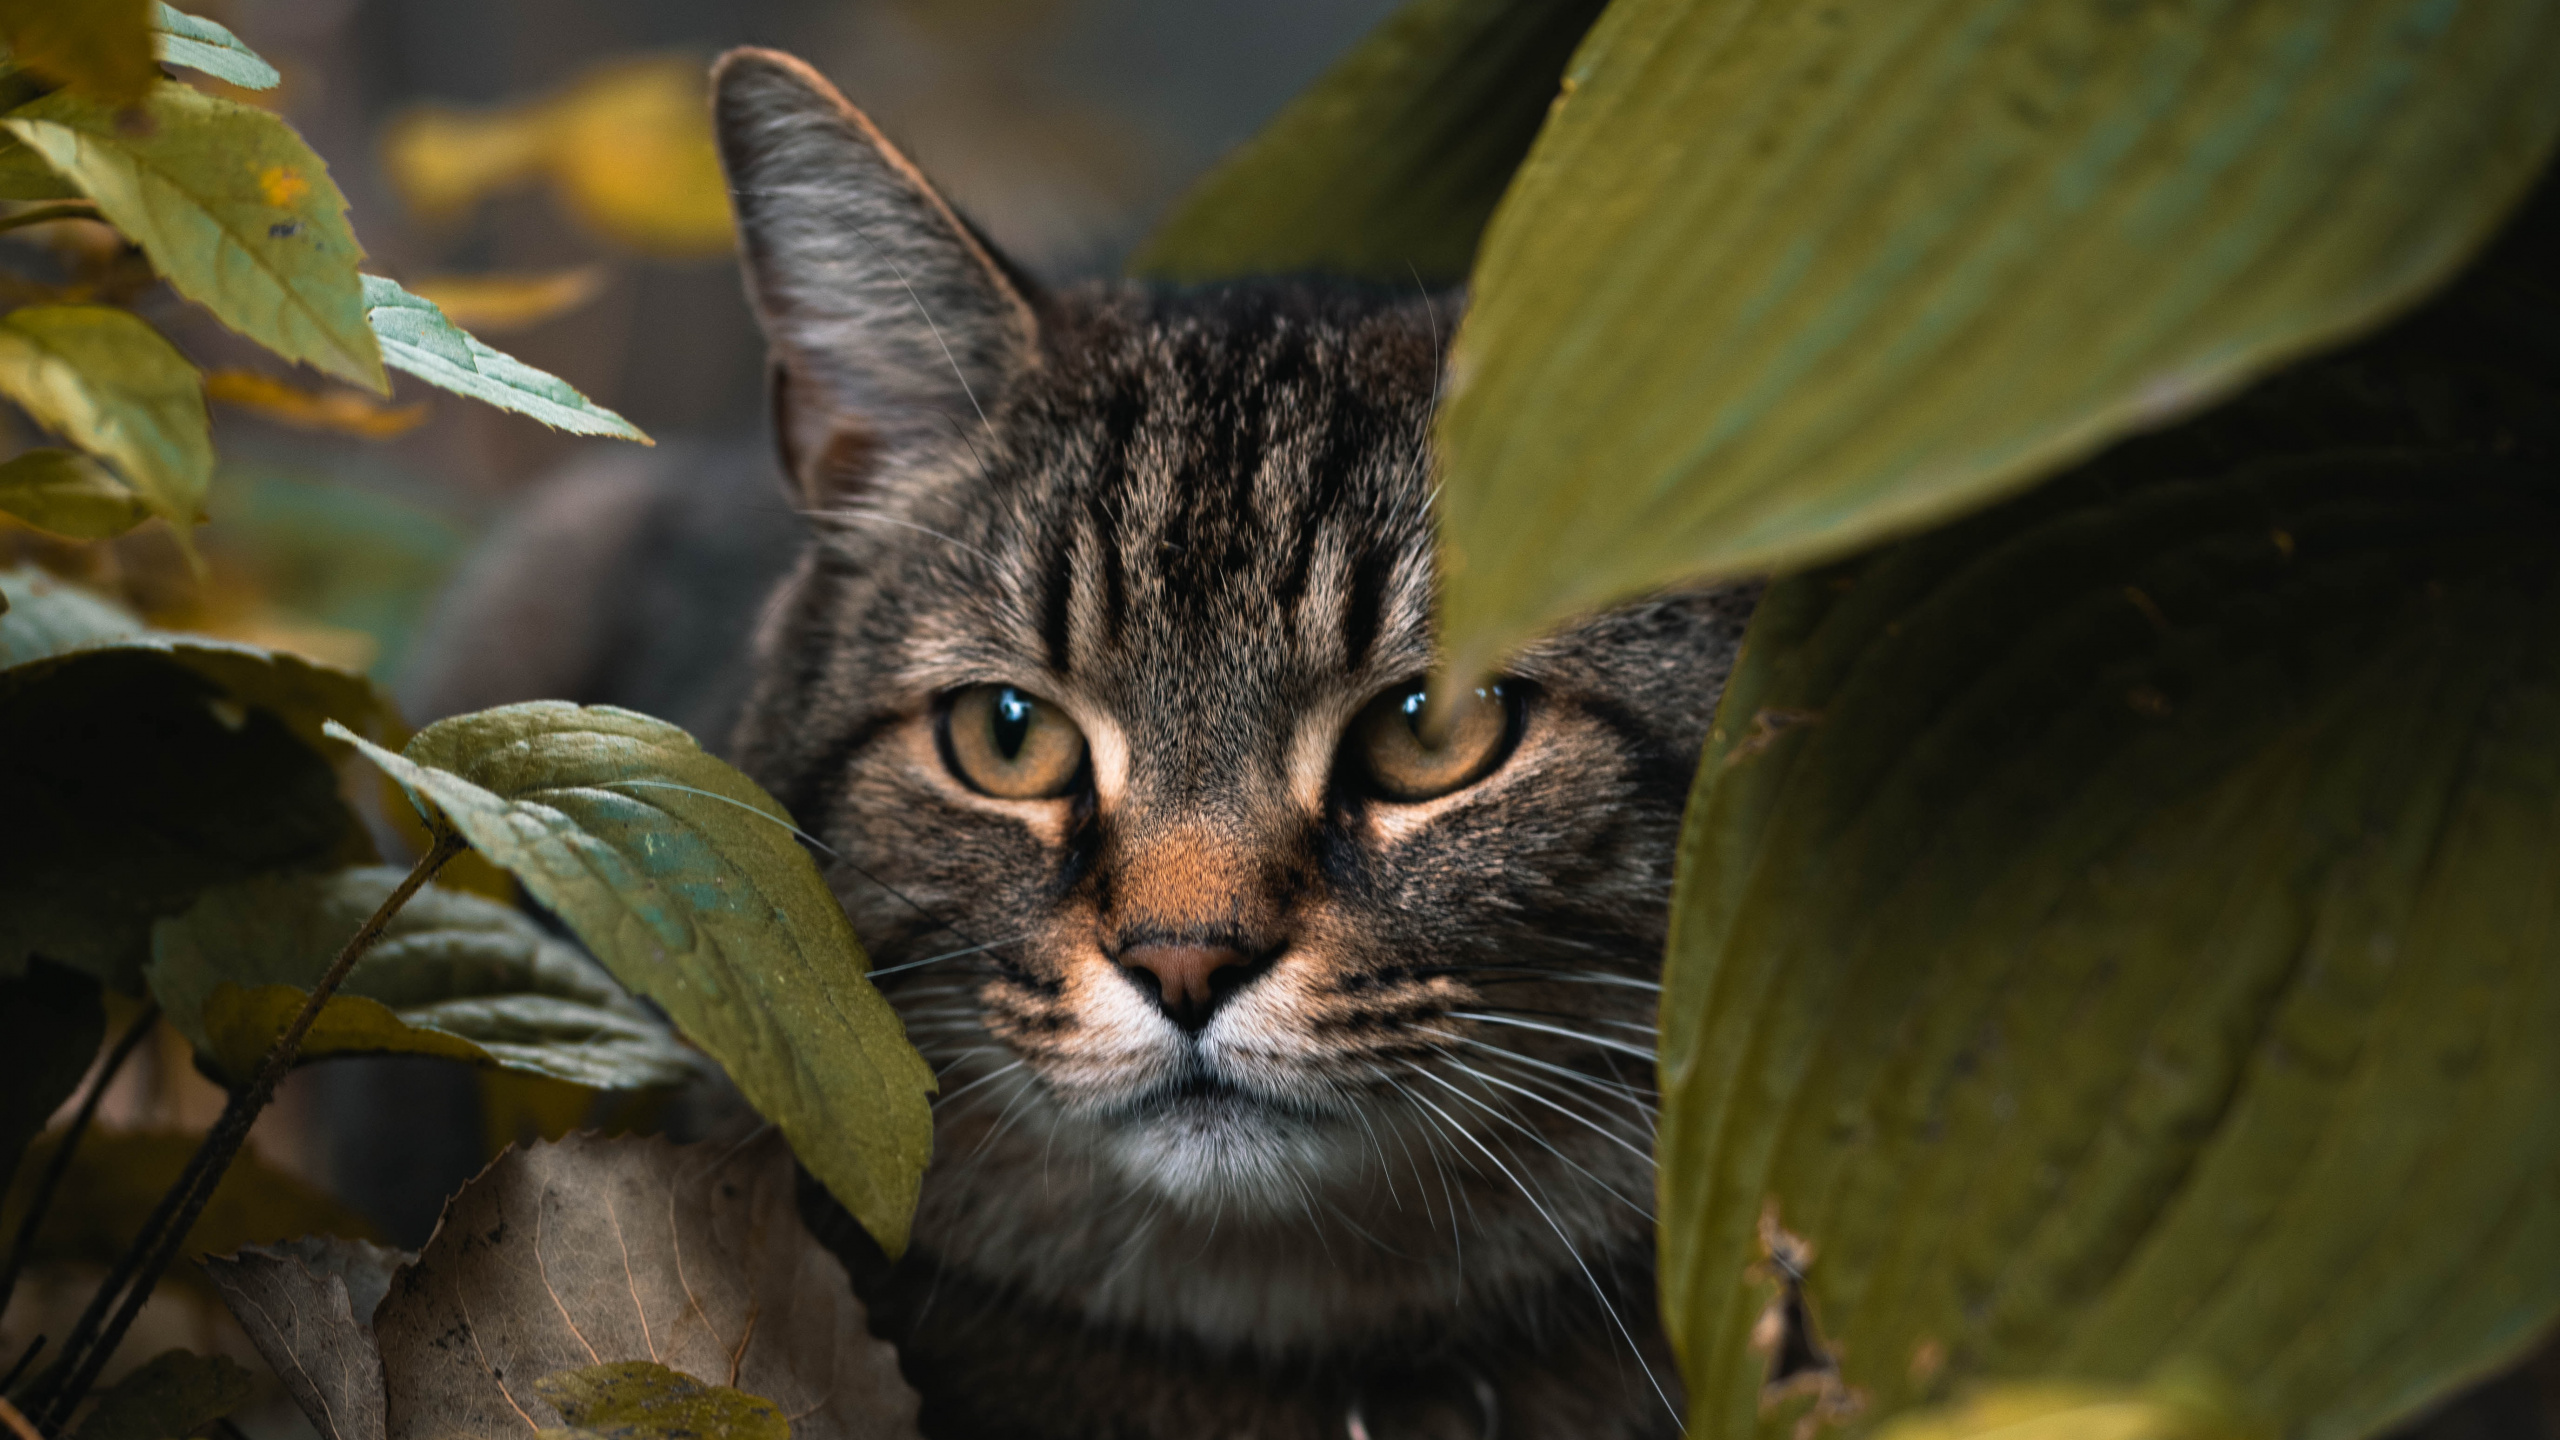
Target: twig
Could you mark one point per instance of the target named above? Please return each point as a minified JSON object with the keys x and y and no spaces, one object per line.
{"x":26,"y":1357}
{"x":46,"y":214}
{"x":10,"y":1417}
{"x":88,"y":1349}
{"x":61,"y":1163}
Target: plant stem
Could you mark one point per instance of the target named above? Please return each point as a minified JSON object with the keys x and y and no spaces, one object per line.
{"x":61,"y":1164}
{"x":44,"y":214}
{"x":16,"y":1422}
{"x":88,"y":1348}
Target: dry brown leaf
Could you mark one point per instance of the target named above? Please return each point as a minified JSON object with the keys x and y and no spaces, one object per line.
{"x":593,"y":1251}
{"x":628,"y":146}
{"x":496,"y":304}
{"x":308,"y":1307}
{"x":345,"y":411}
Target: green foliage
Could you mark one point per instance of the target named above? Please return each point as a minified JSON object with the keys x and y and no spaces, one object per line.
{"x":231,"y":207}
{"x":41,"y":616}
{"x":643,"y":1400}
{"x":51,"y":1023}
{"x":689,"y":883}
{"x":200,"y":44}
{"x":453,"y":975}
{"x":102,"y":47}
{"x":105,"y":380}
{"x":417,"y":338}
{"x":172,"y":1395}
{"x":2092,"y":918}
{"x":2072,"y":1412}
{"x":1387,"y":167}
{"x":69,"y":494}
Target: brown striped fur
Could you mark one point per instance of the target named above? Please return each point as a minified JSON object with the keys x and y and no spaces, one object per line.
{"x":1404,"y":1166}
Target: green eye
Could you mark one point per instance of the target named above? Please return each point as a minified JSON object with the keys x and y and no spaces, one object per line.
{"x":1010,"y":743}
{"x":1401,"y":762}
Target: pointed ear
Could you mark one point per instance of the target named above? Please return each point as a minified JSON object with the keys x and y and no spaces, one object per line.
{"x":895,"y":332}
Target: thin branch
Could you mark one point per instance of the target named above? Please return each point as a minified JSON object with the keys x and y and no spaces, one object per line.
{"x":47,"y":214}
{"x":16,"y":1422}
{"x":42,"y":1201}
{"x":88,"y":1349}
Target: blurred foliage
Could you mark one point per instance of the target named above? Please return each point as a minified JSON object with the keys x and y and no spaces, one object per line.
{"x":499,"y":303}
{"x":344,"y":411}
{"x":627,"y":147}
{"x":116,"y":1177}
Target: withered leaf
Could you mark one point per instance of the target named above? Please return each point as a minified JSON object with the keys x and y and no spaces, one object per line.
{"x":174,"y":1393}
{"x":308,"y":1306}
{"x":589,"y":1252}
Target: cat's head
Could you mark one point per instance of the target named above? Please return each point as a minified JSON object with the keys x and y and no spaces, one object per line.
{"x":1103,"y":682}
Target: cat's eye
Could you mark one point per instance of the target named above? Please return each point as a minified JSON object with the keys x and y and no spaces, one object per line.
{"x":1010,"y":743}
{"x":1402,"y":757}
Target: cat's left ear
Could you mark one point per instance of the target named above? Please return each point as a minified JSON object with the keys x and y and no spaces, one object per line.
{"x":895,"y":331}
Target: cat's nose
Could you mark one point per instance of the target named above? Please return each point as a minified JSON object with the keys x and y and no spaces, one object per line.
{"x":1190,"y":981}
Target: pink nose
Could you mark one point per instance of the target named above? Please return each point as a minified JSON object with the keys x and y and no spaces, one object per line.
{"x":1182,"y":975}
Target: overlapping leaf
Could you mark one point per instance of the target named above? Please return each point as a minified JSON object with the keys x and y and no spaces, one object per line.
{"x":70,"y":495}
{"x":106,"y":381}
{"x":1776,"y":281}
{"x":689,"y":883}
{"x":174,"y":1393}
{"x":1388,"y":166}
{"x":2114,"y":937}
{"x":200,"y":44}
{"x":101,"y":47}
{"x":308,"y":1305}
{"x":417,"y":338}
{"x":452,"y":975}
{"x":233,"y":209}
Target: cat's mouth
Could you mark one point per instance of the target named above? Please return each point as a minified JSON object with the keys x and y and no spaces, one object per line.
{"x":1201,"y":1095}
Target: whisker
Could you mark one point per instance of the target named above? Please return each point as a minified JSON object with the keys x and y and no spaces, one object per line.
{"x":1583,"y":1120}
{"x":949,"y":955}
{"x":1543,"y":1142}
{"x":1620,"y":1046}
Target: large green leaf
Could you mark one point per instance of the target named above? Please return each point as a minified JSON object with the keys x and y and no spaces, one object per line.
{"x":1387,"y":167}
{"x":1778,"y":280}
{"x":50,"y":1026}
{"x":453,"y":974}
{"x":2115,"y":936}
{"x":106,"y":381}
{"x":200,"y":44}
{"x":70,"y":495}
{"x":137,"y":768}
{"x":417,"y":338}
{"x":231,"y":207}
{"x":689,"y":883}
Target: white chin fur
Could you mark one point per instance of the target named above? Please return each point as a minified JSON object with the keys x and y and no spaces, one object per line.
{"x":1228,"y":1154}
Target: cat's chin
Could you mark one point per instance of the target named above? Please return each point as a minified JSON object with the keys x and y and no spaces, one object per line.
{"x":1210,"y":1146}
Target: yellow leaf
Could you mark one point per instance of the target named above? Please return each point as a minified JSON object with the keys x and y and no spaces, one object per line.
{"x":628,"y":147}
{"x":342,"y":410}
{"x":70,"y":495}
{"x":108,"y":382}
{"x":495,"y":304}
{"x":102,"y":48}
{"x":243,"y":1023}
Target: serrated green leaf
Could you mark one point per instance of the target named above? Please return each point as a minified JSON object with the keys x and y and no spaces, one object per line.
{"x":452,"y":975}
{"x":106,"y":381}
{"x":233,"y":209}
{"x":1778,"y":281}
{"x":2115,"y":935}
{"x":200,"y":44}
{"x":689,"y":883}
{"x":99,"y":47}
{"x":70,"y":495}
{"x":643,"y":1400}
{"x":50,"y":1026}
{"x":170,"y":1396}
{"x":418,"y":339}
{"x":1387,"y":167}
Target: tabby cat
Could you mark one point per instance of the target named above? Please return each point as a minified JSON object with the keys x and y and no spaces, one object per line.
{"x":1296,"y":1056}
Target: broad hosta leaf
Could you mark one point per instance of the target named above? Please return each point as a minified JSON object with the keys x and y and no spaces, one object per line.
{"x":689,"y":883}
{"x":643,"y":1400}
{"x":175,"y":1393}
{"x":2115,"y":936}
{"x":417,"y":338}
{"x":51,"y":1024}
{"x":200,"y":44}
{"x":453,"y":975}
{"x":231,"y":207}
{"x":69,"y":494}
{"x":1388,"y":166}
{"x":168,"y":764}
{"x":589,"y":1252}
{"x":628,"y":146}
{"x":106,"y":381}
{"x":308,"y":1306}
{"x":101,"y":47}
{"x":116,"y":1177}
{"x":1778,"y":280}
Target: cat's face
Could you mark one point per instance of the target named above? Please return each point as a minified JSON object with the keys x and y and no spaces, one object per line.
{"x":1104,"y":684}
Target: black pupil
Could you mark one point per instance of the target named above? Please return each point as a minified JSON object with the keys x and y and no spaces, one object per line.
{"x":1012,"y":722}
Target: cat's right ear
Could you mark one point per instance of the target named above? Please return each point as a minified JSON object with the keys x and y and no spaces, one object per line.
{"x":895,"y":332}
